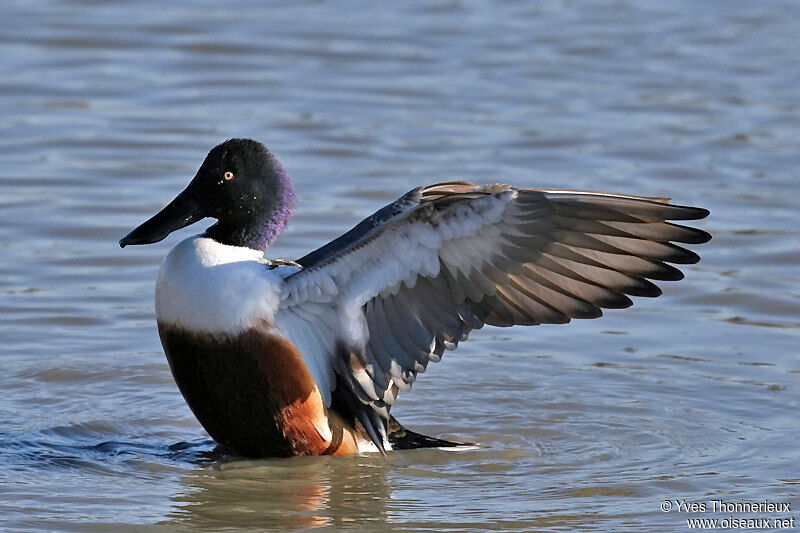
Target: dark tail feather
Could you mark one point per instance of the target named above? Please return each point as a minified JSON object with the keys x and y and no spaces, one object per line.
{"x":404,"y":439}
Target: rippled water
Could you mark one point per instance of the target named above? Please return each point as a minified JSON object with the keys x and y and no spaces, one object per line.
{"x":107,"y":109}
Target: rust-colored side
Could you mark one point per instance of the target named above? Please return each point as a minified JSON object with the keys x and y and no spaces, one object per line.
{"x":253,"y":393}
{"x":307,"y":424}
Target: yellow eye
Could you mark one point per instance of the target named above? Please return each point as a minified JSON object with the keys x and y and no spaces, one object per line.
{"x":229,"y":175}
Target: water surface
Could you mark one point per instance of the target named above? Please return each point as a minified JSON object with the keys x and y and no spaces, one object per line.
{"x":107,"y":109}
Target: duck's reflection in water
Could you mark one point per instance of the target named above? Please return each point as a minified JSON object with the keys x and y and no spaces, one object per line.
{"x":300,"y":492}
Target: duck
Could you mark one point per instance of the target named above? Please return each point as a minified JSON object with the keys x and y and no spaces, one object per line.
{"x":280,"y":358}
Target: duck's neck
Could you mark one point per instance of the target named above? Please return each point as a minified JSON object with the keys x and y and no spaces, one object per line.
{"x":258,"y":229}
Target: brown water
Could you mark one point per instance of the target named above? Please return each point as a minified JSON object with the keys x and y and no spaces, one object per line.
{"x":107,"y":109}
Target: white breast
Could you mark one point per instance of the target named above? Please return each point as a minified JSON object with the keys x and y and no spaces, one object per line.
{"x":211,"y":287}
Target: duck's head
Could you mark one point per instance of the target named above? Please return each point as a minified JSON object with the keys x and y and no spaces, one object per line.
{"x":242,"y":185}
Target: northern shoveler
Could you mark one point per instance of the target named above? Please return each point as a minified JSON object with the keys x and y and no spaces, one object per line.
{"x":279,"y":358}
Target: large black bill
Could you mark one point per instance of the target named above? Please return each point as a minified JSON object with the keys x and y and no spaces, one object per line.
{"x":180,"y":212}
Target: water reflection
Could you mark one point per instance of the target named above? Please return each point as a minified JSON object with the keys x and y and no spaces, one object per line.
{"x":291,"y":493}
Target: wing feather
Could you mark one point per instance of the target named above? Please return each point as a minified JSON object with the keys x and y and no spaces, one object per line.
{"x":415,"y":278}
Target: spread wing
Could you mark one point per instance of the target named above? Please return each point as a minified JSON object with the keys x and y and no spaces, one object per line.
{"x":375,"y":306}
